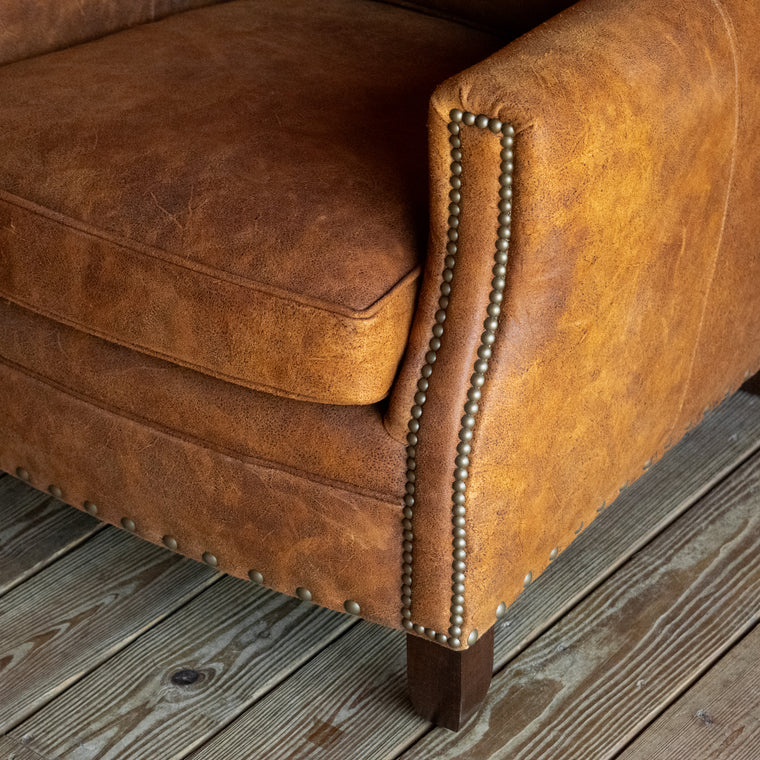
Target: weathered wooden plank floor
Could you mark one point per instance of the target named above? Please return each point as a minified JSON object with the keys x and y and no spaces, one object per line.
{"x":639,"y":642}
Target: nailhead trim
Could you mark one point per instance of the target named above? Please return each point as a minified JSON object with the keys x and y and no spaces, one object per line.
{"x":128,"y":524}
{"x":462,"y":462}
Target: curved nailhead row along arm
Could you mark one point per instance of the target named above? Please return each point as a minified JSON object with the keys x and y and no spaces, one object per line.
{"x":462,"y":460}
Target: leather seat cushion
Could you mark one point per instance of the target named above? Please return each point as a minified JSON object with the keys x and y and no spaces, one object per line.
{"x":345,"y":447}
{"x":305,"y":494}
{"x":240,"y":189}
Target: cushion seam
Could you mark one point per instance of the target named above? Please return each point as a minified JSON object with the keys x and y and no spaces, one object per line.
{"x":200,"y":368}
{"x":388,"y":498}
{"x":86,"y":229}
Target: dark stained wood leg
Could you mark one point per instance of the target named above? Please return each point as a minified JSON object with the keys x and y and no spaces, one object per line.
{"x":753,"y":385}
{"x":447,"y":686}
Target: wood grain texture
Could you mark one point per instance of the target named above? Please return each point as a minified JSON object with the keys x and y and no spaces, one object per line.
{"x":10,"y":749}
{"x":717,"y":719}
{"x":366,"y":710}
{"x":447,"y":686}
{"x":224,"y":649}
{"x":81,"y":610}
{"x":35,"y":529}
{"x":726,"y":437}
{"x":612,"y":664}
{"x":348,"y":702}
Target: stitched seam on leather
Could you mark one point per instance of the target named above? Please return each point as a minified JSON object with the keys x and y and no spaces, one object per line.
{"x":166,"y":257}
{"x":201,"y":368}
{"x":454,"y":635}
{"x":390,"y":499}
{"x":730,"y":33}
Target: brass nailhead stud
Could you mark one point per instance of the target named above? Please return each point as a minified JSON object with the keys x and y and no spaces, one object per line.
{"x":473,"y":637}
{"x":501,"y":610}
{"x":210,"y":559}
{"x":554,"y":554}
{"x":528,"y":578}
{"x":352,"y":608}
{"x":459,"y":487}
{"x":128,"y":524}
{"x":56,"y":492}
{"x":170,"y":543}
{"x":303,"y":593}
{"x":91,"y":508}
{"x":22,"y":474}
{"x":256,"y":577}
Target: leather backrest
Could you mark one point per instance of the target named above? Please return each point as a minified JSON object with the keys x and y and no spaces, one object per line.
{"x":32,"y":28}
{"x":513,"y":17}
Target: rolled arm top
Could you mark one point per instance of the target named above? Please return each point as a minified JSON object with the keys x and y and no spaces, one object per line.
{"x":629,"y":304}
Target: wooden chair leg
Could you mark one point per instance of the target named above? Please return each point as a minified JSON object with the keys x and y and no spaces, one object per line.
{"x":448,"y":686}
{"x":753,"y":385}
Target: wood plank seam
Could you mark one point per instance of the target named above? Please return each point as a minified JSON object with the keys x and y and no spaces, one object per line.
{"x":636,"y":547}
{"x":111,"y":536}
{"x":43,"y":566}
{"x":503,"y":659}
{"x":675,"y":609}
{"x":22,"y":717}
{"x":732,"y":642}
{"x":225,"y":724}
{"x":69,"y":535}
{"x":711,"y":715}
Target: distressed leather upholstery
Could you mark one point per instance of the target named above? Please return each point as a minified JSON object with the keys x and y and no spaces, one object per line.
{"x":29,"y":28}
{"x":201,"y":178}
{"x":631,"y":304}
{"x":156,"y":207}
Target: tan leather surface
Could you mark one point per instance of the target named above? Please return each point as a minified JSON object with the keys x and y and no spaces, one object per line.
{"x":631,"y":300}
{"x":338,"y":544}
{"x":730,"y":334}
{"x":240,"y":188}
{"x":344,"y":446}
{"x":33,"y":27}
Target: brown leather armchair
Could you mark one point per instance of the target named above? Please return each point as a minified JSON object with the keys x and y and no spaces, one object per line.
{"x":220,"y":328}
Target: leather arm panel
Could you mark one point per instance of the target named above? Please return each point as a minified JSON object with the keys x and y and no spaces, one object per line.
{"x":632,"y":220}
{"x":33,"y":28}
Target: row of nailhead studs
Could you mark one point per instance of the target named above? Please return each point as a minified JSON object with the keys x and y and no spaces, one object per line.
{"x":171,"y":543}
{"x":459,"y":554}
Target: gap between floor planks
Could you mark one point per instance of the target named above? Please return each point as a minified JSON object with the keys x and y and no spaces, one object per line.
{"x":716,"y":719}
{"x":234,"y":642}
{"x":349,"y":701}
{"x":10,"y":749}
{"x":82,"y":609}
{"x":622,"y":656}
{"x":725,"y":438}
{"x":35,"y":530}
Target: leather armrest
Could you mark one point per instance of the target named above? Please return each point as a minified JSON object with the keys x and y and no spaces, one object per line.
{"x":630,"y":303}
{"x":29,"y":28}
